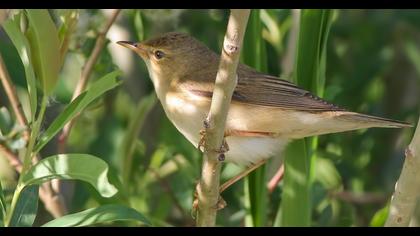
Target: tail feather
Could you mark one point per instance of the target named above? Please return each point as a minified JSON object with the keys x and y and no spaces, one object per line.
{"x":374,"y":121}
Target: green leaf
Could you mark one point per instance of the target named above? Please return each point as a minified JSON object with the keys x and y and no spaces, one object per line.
{"x":26,"y":208}
{"x":2,"y":207}
{"x":136,"y":123}
{"x":379,"y":219}
{"x":45,"y":47}
{"x":413,"y":53}
{"x":69,"y":18}
{"x":83,"y":167}
{"x":255,"y":55}
{"x":295,"y":205}
{"x":22,"y":45}
{"x":6,"y":123}
{"x":104,"y":84}
{"x":309,"y":73}
{"x":98,"y":215}
{"x":138,"y":24}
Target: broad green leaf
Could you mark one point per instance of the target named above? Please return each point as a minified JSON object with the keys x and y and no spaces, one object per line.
{"x":19,"y":40}
{"x":2,"y":207}
{"x":98,"y":215}
{"x":26,"y":208}
{"x":98,"y":88}
{"x":45,"y":47}
{"x":83,"y":167}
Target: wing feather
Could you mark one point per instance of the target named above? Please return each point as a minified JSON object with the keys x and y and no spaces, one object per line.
{"x":260,"y":89}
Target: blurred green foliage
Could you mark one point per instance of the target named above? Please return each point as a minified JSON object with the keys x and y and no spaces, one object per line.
{"x":371,"y":67}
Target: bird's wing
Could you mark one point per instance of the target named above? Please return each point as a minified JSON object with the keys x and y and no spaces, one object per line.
{"x":264,"y":90}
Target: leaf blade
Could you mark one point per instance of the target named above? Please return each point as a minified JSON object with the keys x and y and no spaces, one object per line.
{"x":98,"y":215}
{"x":45,"y":47}
{"x":26,"y":208}
{"x":101,"y":86}
{"x":22,"y":45}
{"x":83,"y":167}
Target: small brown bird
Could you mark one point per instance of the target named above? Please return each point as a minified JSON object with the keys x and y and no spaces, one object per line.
{"x":265,"y":113}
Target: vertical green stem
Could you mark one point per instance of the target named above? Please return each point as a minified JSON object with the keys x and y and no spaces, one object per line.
{"x":255,"y":183}
{"x":309,"y":73}
{"x":28,"y":155}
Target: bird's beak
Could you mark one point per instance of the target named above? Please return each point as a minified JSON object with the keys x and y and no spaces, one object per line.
{"x":137,"y":47}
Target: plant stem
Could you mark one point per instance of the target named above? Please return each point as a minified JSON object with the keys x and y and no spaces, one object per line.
{"x":28,"y":155}
{"x":48,"y":196}
{"x":226,"y":80}
{"x":13,"y":98}
{"x":87,"y":71}
{"x":404,"y":199}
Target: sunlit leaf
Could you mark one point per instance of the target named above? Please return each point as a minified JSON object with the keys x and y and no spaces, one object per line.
{"x":98,"y":215}
{"x":83,"y":167}
{"x":45,"y":47}
{"x":26,"y":208}
{"x":22,"y":45}
{"x":98,"y":88}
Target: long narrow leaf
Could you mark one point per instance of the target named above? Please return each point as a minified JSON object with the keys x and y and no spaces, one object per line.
{"x":299,"y":162}
{"x":83,"y":167}
{"x":254,"y":54}
{"x":104,"y":84}
{"x":45,"y":47}
{"x":22,"y":45}
{"x":26,"y":208}
{"x":98,"y":215}
{"x":129,"y":140}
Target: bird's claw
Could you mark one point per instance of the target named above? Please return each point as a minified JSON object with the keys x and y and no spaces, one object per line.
{"x":221,"y":203}
{"x":221,"y":151}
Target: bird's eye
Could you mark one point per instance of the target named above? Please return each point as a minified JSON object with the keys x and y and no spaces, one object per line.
{"x":159,"y":54}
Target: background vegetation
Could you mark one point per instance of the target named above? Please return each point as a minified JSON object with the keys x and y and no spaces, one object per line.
{"x":372,"y":65}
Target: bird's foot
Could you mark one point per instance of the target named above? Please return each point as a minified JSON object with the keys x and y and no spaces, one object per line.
{"x":221,"y":151}
{"x":221,"y":203}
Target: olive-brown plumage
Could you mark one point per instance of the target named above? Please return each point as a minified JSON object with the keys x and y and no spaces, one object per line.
{"x":265,"y":113}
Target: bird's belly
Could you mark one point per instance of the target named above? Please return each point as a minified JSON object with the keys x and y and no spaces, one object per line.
{"x":188,"y":113}
{"x":250,"y":150}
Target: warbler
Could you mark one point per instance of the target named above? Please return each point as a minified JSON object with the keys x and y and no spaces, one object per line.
{"x":265,"y":113}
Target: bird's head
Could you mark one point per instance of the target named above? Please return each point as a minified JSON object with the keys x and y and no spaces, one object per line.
{"x":171,"y":55}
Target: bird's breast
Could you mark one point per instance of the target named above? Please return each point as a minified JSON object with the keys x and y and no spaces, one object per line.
{"x":187,"y":112}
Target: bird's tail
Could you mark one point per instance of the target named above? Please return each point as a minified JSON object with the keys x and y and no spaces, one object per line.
{"x":373,"y":121}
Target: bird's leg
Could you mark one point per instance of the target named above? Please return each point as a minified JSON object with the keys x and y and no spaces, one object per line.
{"x":235,"y":179}
{"x":221,"y":203}
{"x":222,"y":150}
